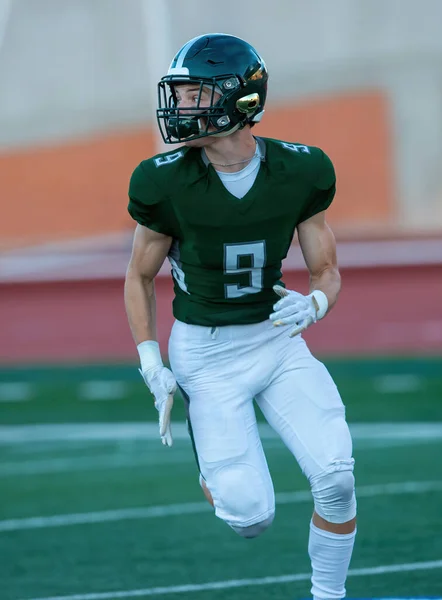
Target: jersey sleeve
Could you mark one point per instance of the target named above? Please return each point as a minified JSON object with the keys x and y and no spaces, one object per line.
{"x":148,"y":205}
{"x":323,"y":187}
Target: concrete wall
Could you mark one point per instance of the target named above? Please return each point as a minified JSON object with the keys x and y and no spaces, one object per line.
{"x":82,"y":66}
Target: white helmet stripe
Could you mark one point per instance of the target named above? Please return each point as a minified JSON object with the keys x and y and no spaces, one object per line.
{"x":182,"y":55}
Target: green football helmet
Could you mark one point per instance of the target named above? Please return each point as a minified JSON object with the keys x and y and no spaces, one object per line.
{"x":231,"y":71}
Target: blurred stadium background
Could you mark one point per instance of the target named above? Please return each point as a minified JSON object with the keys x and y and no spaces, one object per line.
{"x":361,"y":79}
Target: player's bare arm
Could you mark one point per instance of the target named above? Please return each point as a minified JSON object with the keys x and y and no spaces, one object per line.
{"x":318,"y":246}
{"x":319,"y":250}
{"x":148,"y":254}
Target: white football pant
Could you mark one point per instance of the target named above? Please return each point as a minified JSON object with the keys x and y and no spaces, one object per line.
{"x":221,"y":370}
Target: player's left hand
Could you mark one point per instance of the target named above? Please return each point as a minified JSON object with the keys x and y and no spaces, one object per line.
{"x":299,"y":310}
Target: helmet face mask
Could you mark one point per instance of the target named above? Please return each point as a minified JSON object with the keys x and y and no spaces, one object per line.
{"x":179,"y":124}
{"x":232,"y":82}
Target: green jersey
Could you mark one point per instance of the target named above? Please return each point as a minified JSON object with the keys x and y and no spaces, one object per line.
{"x":227,"y":252}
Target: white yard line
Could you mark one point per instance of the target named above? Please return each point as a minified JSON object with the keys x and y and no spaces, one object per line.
{"x":93,"y":462}
{"x":166,"y":510}
{"x":398,"y":384}
{"x":136,"y":445}
{"x":16,"y":392}
{"x":138,"y":457}
{"x":68,"y":432}
{"x":239,"y":583}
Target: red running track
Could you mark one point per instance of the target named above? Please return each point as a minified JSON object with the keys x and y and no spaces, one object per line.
{"x":380,"y":311}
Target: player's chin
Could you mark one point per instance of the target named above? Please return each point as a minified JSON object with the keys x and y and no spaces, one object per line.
{"x":200,"y":142}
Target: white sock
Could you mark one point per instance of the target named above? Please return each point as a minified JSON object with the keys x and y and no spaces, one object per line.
{"x":330,"y":555}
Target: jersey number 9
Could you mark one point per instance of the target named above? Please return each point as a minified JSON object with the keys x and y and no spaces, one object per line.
{"x":233,"y":253}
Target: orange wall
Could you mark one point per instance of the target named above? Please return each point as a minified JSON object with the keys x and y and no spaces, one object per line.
{"x":354,"y":131}
{"x":69,"y":191}
{"x":80,"y":188}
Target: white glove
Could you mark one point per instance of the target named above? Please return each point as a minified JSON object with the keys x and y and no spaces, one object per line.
{"x":161,"y":382}
{"x":299,"y":310}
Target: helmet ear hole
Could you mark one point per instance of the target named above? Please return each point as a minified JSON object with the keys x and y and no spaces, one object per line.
{"x":248,"y":104}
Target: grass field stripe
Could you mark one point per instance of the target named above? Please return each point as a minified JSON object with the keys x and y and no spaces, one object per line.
{"x":237,"y":583}
{"x":166,"y":510}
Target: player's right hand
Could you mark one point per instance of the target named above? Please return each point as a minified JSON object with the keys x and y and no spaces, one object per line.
{"x":161,"y":382}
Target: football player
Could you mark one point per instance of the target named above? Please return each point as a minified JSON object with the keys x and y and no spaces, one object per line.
{"x":223,"y":208}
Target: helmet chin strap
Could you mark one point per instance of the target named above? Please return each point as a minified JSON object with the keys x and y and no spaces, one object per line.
{"x":226,"y":133}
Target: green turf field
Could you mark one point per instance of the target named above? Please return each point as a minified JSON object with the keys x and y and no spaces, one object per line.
{"x":94,"y":508}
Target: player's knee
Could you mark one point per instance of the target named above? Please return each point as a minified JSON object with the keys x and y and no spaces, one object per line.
{"x":334,"y":495}
{"x":252,"y":531}
{"x":243,"y":498}
{"x":206,"y":490}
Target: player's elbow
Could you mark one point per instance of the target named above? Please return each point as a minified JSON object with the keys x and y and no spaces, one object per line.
{"x":335,"y":276}
{"x":328,"y":274}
